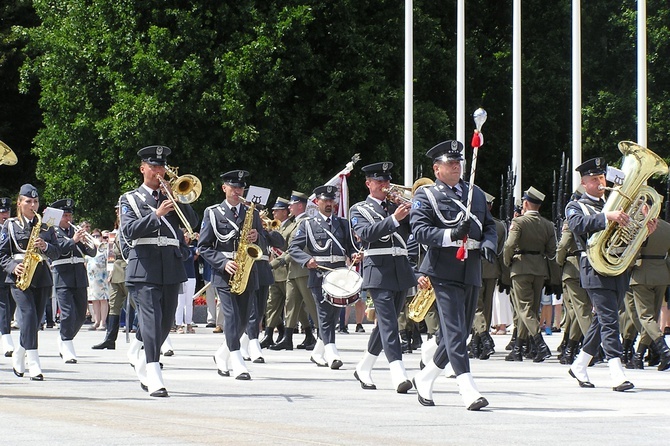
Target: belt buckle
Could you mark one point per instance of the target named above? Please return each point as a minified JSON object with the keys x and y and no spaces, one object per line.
{"x":332,"y":258}
{"x":397,"y":251}
{"x":162,"y":240}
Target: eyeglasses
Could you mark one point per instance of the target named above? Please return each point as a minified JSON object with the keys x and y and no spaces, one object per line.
{"x":105,"y":238}
{"x":97,"y":235}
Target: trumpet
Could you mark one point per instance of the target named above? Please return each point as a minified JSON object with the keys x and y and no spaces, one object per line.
{"x":167,"y":188}
{"x":268,"y":223}
{"x":398,"y":194}
{"x":89,"y":240}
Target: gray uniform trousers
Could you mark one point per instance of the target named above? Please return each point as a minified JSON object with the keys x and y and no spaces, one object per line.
{"x":328,"y":315}
{"x":605,"y":326}
{"x":236,"y":308}
{"x":156,"y":306}
{"x":73,"y":303}
{"x":384,"y":335}
{"x":31,"y":304}
{"x":6,"y":309}
{"x":258,"y":302}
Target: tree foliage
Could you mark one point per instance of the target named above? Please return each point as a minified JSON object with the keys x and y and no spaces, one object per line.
{"x":291,"y":90}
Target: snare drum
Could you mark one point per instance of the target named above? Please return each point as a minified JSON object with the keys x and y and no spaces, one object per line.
{"x":341,"y":286}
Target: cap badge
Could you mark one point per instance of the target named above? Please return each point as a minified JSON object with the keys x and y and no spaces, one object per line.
{"x":68,"y":203}
{"x":33,"y":193}
{"x":454,"y":145}
{"x":240,"y":174}
{"x":159,"y":152}
{"x":329,"y":189}
{"x":597,"y":162}
{"x":385,"y":166}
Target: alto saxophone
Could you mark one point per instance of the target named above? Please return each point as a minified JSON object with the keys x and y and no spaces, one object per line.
{"x":420,"y":304}
{"x":32,"y":258}
{"x":247,"y":253}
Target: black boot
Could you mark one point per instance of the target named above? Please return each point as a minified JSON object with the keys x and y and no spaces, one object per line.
{"x":627,"y":353}
{"x":286,"y":343}
{"x":475,"y":346}
{"x":516,"y":355}
{"x":512,"y":341}
{"x":543,"y":351}
{"x":405,"y":345}
{"x":267,"y":340}
{"x":416,"y":338}
{"x":561,"y":347}
{"x":569,"y":353}
{"x":111,"y":335}
{"x":310,"y":340}
{"x":487,"y":346}
{"x":664,"y":353}
{"x":637,"y":361}
{"x":529,"y":351}
{"x":653,"y":356}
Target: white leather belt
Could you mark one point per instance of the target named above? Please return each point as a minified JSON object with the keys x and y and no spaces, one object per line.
{"x":68,"y":261}
{"x":19,"y":256}
{"x":470,"y":244}
{"x":394,"y":251}
{"x":229,"y":255}
{"x":330,"y":259}
{"x":264,"y":257}
{"x":157,"y":241}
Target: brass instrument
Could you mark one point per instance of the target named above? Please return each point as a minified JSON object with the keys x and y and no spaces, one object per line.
{"x":185,"y":188}
{"x":612,"y":250}
{"x":169,"y":193}
{"x":420,"y":304}
{"x":423,"y":181}
{"x":398,"y":194}
{"x":268,"y":223}
{"x":7,"y":156}
{"x":32,"y":257}
{"x":89,"y":240}
{"x":245,"y":256}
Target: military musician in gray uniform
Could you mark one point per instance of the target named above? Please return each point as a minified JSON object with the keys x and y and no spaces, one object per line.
{"x":7,"y":304}
{"x":585,"y":218}
{"x":323,"y":241}
{"x":383,"y":228}
{"x":70,"y":278}
{"x":222,"y":226}
{"x":15,"y":239}
{"x":439,"y":221}
{"x":155,"y":271}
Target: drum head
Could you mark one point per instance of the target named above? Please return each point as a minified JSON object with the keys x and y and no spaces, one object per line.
{"x":342,"y":282}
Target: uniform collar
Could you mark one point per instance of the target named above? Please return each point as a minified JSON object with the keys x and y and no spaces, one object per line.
{"x":148,"y":189}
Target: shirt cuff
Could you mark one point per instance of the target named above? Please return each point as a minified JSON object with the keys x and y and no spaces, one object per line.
{"x":395,"y":222}
{"x":447,"y":241}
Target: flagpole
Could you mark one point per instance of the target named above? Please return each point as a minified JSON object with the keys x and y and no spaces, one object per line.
{"x":460,"y":72}
{"x":516,"y":98}
{"x":576,"y":91}
{"x":642,"y":72}
{"x":409,"y":94}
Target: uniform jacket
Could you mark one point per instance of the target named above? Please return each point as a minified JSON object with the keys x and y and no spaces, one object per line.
{"x":494,"y":270}
{"x":119,"y":267}
{"x":13,"y":240}
{"x":567,"y":254}
{"x":150,"y":263}
{"x":530,"y":242}
{"x":376,"y":229}
{"x":220,"y":238}
{"x":652,"y":269}
{"x":71,"y":275}
{"x":278,"y":263}
{"x":429,"y":226}
{"x":311,"y":240}
{"x":295,"y":269}
{"x":266,"y":240}
{"x":585,"y":218}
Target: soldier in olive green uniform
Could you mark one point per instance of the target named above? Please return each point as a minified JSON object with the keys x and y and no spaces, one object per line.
{"x":531,"y":241}
{"x":482,"y":342}
{"x":649,"y":279}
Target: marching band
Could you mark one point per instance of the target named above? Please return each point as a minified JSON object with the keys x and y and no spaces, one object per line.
{"x":305,"y":266}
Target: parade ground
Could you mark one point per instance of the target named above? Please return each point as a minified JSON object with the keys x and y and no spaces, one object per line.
{"x":290,"y":401}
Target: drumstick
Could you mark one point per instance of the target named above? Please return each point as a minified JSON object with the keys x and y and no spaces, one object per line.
{"x":325,"y":267}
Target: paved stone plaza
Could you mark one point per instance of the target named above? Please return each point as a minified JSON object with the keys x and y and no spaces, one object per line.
{"x":291,"y":401}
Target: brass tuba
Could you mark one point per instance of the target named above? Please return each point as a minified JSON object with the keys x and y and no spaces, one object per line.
{"x":612,"y":250}
{"x":245,"y":256}
{"x":7,"y":156}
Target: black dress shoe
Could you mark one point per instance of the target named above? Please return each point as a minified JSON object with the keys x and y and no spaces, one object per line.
{"x":336,"y":364}
{"x":585,"y":384}
{"x":37,"y":378}
{"x":107,"y":344}
{"x":260,"y":360}
{"x":143,"y":387}
{"x":160,"y":393}
{"x":478,"y":404}
{"x":169,"y":353}
{"x":359,"y":328}
{"x":364,"y":385}
{"x":404,"y":386}
{"x":423,"y":401}
{"x":244,"y":376}
{"x":222,"y":373}
{"x":626,"y":385}
{"x":282,"y":345}
{"x":9,"y":354}
{"x":19,"y":374}
{"x":210,"y":325}
{"x":71,"y":361}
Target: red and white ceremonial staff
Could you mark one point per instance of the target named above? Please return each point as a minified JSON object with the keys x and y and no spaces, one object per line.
{"x":477,"y":141}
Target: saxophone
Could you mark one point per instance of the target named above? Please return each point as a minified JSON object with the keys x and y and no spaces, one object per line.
{"x":612,"y":250}
{"x":247,"y":253}
{"x":32,"y":258}
{"x":420,"y":304}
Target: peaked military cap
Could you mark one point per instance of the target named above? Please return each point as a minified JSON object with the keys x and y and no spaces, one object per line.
{"x":378,"y":171}
{"x":5,"y":204}
{"x":281,"y":203}
{"x":325,"y":192}
{"x":235,"y":178}
{"x":533,"y":195}
{"x":446,"y":151}
{"x":28,"y":190}
{"x":66,"y":204}
{"x":298,"y":197}
{"x":594,"y":166}
{"x":155,"y":155}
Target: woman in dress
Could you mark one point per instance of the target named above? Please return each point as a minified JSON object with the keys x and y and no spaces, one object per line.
{"x":98,"y":287}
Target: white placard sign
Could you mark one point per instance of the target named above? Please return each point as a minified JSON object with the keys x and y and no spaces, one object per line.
{"x":52,"y":216}
{"x":258,"y":195}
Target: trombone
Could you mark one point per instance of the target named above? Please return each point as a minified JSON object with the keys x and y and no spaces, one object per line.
{"x":186,"y":189}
